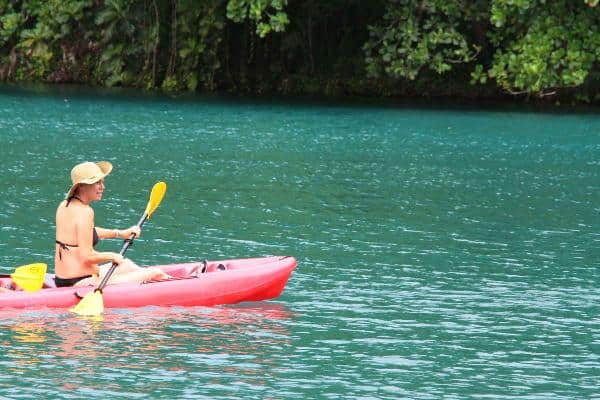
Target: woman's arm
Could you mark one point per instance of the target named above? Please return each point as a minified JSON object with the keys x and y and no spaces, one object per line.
{"x":104,"y":233}
{"x":118,"y":233}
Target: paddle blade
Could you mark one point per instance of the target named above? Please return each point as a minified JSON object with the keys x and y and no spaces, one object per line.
{"x":158,"y":192}
{"x":30,"y":277}
{"x":92,"y":304}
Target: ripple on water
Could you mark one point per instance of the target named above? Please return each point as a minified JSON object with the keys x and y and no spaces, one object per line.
{"x":442,"y":254}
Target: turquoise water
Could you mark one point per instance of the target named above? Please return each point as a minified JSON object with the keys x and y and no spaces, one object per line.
{"x":443,"y":252}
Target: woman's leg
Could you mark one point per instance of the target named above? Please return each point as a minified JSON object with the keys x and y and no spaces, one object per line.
{"x":140,"y":276}
{"x":126,"y":266}
{"x":128,"y":271}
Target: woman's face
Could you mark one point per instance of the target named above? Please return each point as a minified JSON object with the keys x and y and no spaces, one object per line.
{"x":93,"y":191}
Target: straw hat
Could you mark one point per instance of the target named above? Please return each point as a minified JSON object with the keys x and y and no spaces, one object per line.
{"x":88,"y":172}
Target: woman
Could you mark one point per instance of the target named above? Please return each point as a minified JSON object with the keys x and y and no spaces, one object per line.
{"x":76,"y":261}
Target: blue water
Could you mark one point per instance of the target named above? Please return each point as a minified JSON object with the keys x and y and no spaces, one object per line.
{"x":443,"y":252}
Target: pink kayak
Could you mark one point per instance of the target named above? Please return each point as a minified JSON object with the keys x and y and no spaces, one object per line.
{"x":193,"y":284}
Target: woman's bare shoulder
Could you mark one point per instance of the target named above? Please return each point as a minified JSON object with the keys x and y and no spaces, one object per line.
{"x":84,"y":211}
{"x":75,"y":211}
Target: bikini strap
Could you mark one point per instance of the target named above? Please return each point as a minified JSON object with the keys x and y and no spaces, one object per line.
{"x":71,"y":198}
{"x":63,"y":246}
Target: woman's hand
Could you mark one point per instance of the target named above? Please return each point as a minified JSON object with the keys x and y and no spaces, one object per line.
{"x":126,"y":233}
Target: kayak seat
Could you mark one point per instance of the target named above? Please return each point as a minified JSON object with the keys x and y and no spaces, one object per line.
{"x":186,"y":271}
{"x":196,"y":269}
{"x":216,"y":268}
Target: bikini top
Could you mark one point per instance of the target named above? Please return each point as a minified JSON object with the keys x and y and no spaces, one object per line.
{"x":65,"y":246}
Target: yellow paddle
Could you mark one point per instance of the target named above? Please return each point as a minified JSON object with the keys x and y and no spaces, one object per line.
{"x":30,"y":277}
{"x":92,"y":303}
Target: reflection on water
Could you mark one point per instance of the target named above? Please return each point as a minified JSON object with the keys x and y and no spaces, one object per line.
{"x":150,"y":345}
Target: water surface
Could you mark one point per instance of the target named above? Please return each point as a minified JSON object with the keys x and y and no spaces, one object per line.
{"x":443,"y":253}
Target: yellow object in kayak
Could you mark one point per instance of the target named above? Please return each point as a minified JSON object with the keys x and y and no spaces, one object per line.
{"x":30,"y":277}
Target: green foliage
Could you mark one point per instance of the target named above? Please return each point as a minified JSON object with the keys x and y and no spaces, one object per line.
{"x":54,"y":23}
{"x":199,"y":32}
{"x":117,"y":20}
{"x":417,"y":35}
{"x":553,"y":48}
{"x":10,"y":23}
{"x":538,"y":47}
{"x":268,"y":15}
{"x":170,"y":84}
{"x":382,"y":47}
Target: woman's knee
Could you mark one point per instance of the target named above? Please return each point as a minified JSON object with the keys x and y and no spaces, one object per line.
{"x":128,"y":266}
{"x":156,"y":273}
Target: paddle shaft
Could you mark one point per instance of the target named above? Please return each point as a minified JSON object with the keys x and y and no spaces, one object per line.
{"x":126,"y":245}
